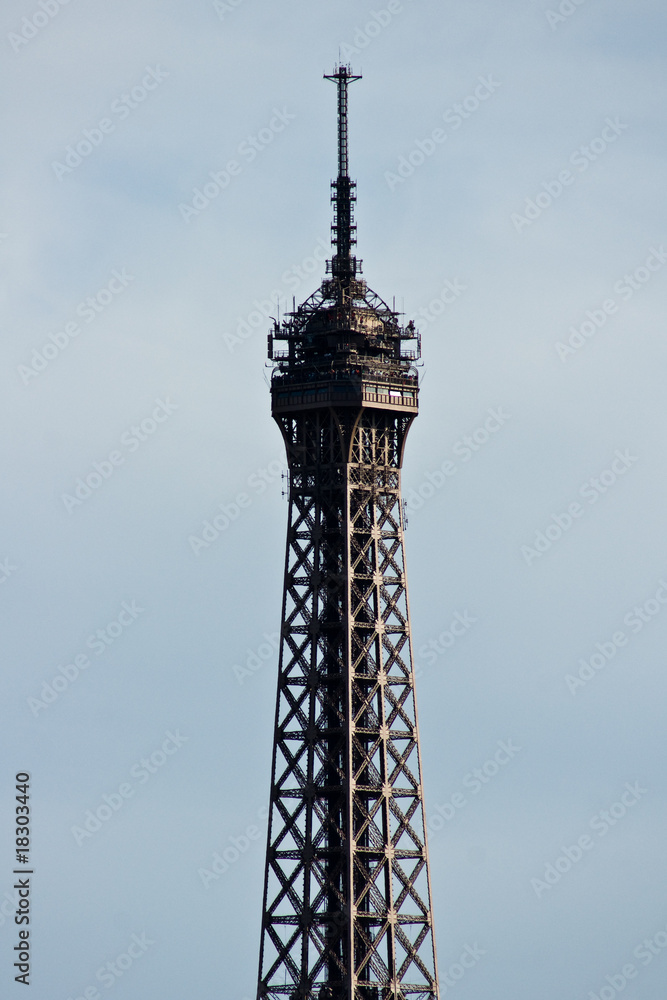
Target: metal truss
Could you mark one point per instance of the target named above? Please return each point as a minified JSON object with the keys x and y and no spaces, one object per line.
{"x":347,"y":911}
{"x":347,"y":900}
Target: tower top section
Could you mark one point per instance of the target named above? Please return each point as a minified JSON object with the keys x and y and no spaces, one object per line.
{"x":343,"y":264}
{"x":344,"y":332}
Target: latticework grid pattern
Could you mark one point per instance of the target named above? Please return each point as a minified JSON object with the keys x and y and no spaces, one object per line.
{"x":347,"y":912}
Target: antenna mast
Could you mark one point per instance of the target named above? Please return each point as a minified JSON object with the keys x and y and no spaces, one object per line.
{"x":343,"y":265}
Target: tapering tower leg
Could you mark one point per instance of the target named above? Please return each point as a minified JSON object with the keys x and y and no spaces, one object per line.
{"x":347,"y":913}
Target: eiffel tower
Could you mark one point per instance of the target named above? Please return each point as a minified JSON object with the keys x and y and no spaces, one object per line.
{"x":347,"y":899}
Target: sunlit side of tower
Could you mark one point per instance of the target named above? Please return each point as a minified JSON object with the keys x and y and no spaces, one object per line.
{"x":347,"y":900}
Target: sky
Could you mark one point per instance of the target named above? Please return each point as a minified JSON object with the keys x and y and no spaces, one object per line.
{"x":166,"y":170}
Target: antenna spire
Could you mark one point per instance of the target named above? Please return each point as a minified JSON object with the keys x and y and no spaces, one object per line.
{"x":343,"y":265}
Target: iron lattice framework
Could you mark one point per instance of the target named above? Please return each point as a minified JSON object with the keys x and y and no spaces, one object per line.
{"x":347,"y":902}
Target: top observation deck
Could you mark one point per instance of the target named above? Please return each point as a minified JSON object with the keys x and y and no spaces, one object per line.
{"x":344,"y":347}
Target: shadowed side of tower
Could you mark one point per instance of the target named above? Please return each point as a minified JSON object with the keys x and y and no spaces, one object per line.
{"x":347,"y":901}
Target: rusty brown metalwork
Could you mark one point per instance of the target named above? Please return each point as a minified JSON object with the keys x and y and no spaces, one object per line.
{"x":347,"y":899}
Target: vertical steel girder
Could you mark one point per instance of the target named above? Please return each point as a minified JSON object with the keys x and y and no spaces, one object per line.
{"x":347,"y":901}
